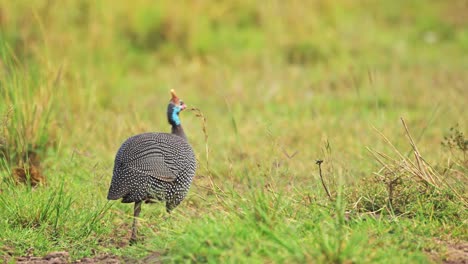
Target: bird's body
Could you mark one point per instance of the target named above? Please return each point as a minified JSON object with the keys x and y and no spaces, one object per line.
{"x":154,"y":166}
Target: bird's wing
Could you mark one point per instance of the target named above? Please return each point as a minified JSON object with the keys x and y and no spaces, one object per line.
{"x":153,"y":165}
{"x":153,"y":159}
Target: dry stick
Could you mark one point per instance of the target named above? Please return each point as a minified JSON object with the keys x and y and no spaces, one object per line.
{"x":390,"y":143}
{"x":375,"y":154}
{"x":420,"y":167}
{"x":319,"y":163}
{"x":443,"y":180}
{"x":401,"y":164}
{"x":207,"y":150}
{"x":406,"y":160}
{"x":203,"y":118}
{"x":431,"y":119}
{"x":416,"y":153}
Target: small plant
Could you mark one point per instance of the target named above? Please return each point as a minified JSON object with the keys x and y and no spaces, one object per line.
{"x":456,"y":142}
{"x":319,"y":164}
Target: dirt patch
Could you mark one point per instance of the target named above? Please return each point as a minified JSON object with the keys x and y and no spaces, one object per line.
{"x":104,"y":259}
{"x":154,"y":257}
{"x":457,"y":253}
{"x":51,"y":258}
{"x":63,"y":257}
{"x":450,"y":252}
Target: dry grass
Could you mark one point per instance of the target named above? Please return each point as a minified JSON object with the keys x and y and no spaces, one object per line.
{"x":409,"y":177}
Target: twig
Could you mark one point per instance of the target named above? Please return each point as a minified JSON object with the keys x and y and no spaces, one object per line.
{"x":393,"y":146}
{"x":418,"y":157}
{"x":319,"y":163}
{"x":205,"y":133}
{"x":207,"y":150}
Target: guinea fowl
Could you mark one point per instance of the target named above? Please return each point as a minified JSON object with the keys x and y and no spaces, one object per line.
{"x":153,"y":167}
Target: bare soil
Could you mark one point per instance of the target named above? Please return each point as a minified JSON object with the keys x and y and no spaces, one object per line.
{"x":450,"y":252}
{"x":457,"y":253}
{"x":63,"y":257}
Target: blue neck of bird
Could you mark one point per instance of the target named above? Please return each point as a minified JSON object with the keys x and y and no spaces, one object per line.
{"x":179,"y":131}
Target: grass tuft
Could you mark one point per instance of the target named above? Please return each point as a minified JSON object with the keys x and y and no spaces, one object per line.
{"x":411,"y":186}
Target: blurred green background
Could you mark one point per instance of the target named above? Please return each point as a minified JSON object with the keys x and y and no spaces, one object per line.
{"x":272,"y":78}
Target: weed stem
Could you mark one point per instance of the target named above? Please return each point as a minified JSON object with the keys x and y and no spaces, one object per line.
{"x":319,"y":163}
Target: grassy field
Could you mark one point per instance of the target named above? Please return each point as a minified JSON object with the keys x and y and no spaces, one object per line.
{"x":280,"y":85}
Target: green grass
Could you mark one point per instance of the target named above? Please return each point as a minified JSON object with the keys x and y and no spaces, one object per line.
{"x":280,"y":85}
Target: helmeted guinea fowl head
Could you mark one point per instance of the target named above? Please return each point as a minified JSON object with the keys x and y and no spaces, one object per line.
{"x":174,"y":108}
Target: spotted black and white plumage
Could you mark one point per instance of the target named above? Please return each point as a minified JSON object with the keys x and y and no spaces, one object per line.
{"x":150,"y":166}
{"x":154,"y":166}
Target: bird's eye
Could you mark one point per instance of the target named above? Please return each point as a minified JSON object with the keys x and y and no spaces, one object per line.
{"x":181,"y":102}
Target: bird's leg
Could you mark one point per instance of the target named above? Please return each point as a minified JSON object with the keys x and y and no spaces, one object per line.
{"x":136,"y":213}
{"x":169,"y":208}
